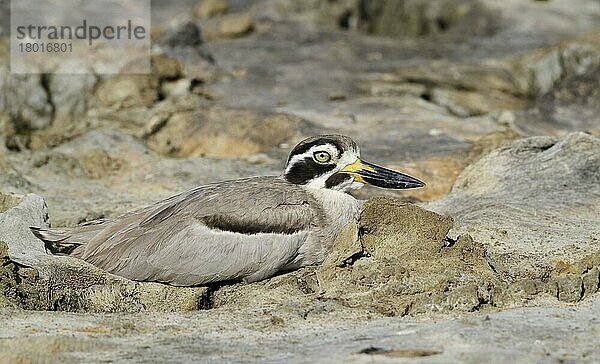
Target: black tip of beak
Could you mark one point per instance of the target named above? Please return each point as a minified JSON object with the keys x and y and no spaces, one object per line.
{"x":386,"y":178}
{"x":411,"y":182}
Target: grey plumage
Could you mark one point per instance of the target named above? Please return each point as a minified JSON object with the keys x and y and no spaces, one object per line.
{"x":246,"y":229}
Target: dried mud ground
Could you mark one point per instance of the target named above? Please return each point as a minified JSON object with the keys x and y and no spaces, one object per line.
{"x":495,"y":105}
{"x":524,"y":335}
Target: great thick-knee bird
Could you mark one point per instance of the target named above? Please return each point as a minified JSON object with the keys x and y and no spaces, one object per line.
{"x":246,"y":229}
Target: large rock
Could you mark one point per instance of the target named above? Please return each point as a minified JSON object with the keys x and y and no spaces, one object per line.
{"x":534,"y":206}
{"x":574,"y":103}
{"x":543,"y":69}
{"x":401,"y":263}
{"x":223,"y":133}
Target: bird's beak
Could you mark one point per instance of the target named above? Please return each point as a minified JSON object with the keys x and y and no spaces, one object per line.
{"x":366,"y":172}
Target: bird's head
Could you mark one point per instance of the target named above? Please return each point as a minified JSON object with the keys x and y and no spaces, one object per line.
{"x":333,"y":162}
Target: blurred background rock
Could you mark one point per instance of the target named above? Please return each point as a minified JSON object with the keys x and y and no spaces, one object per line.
{"x":418,"y":84}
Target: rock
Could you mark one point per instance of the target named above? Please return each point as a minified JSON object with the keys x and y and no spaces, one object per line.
{"x":8,"y":201}
{"x":490,"y":142}
{"x":70,"y":92}
{"x":546,"y":71}
{"x":173,"y":89}
{"x":544,"y":68}
{"x":579,"y":57}
{"x":166,"y":67}
{"x":405,"y":265}
{"x":25,"y":99}
{"x":180,"y":33}
{"x":413,"y":18}
{"x":532,"y":204}
{"x":469,"y":103}
{"x":480,"y":90}
{"x":210,"y":8}
{"x":32,"y":279}
{"x":29,"y":210}
{"x":223,"y":133}
{"x":574,"y":103}
{"x":123,"y":91}
{"x":235,"y":25}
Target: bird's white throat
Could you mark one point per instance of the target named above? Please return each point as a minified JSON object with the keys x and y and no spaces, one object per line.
{"x":339,"y":207}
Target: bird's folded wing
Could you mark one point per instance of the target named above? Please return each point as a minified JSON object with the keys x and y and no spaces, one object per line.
{"x":250,"y":206}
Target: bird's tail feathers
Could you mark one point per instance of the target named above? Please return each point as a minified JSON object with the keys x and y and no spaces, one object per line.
{"x":62,"y":241}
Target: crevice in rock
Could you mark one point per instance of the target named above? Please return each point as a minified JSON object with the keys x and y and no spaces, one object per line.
{"x":490,"y":265}
{"x":45,"y":83}
{"x":155,"y":125}
{"x":353,"y":258}
{"x":449,"y":242}
{"x":195,"y":83}
{"x":427,"y":96}
{"x":442,"y":24}
{"x":345,"y":20}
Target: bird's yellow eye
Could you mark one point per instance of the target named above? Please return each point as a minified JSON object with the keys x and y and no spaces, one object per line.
{"x":322,"y":157}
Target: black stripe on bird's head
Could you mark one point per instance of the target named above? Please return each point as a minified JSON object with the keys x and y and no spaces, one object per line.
{"x":305,"y":170}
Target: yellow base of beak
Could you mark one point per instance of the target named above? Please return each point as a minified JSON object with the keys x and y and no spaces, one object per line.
{"x":354,"y":168}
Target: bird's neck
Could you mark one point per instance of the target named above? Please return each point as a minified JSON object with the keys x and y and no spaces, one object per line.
{"x":339,"y":207}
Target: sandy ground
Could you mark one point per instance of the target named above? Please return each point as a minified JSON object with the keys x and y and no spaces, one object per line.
{"x":538,"y":334}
